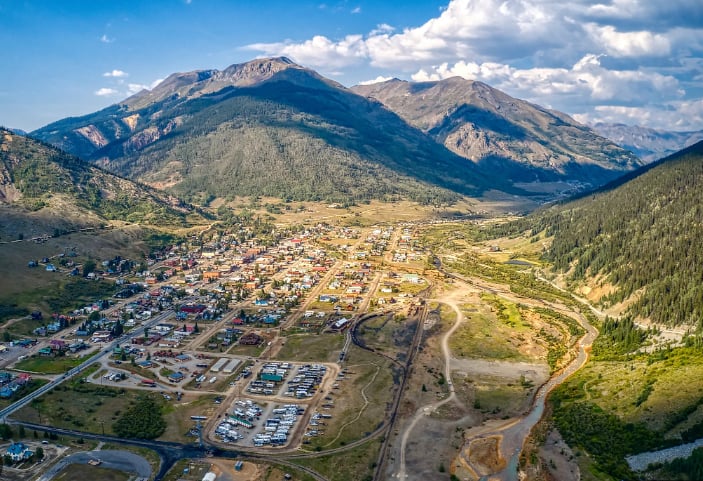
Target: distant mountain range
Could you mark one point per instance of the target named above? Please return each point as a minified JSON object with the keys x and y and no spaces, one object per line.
{"x":37,"y":179}
{"x":648,"y":144}
{"x":273,"y":128}
{"x":522,"y":141}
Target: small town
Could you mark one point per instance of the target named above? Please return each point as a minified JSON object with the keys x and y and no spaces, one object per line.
{"x":205,"y":323}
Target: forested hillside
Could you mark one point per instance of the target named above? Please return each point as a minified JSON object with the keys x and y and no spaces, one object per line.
{"x":270,"y":128}
{"x":643,"y":236}
{"x":34,"y":175}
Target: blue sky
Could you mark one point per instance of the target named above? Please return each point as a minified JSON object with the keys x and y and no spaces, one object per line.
{"x":632,"y":61}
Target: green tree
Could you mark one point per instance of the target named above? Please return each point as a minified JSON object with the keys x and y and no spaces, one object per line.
{"x":39,"y":453}
{"x":144,"y":420}
{"x":5,"y":431}
{"x":88,"y":267}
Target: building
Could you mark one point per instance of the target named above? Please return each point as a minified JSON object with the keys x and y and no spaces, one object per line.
{"x":19,"y":452}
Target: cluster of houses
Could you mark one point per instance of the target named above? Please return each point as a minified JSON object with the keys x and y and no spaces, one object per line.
{"x":59,"y":347}
{"x":11,"y":383}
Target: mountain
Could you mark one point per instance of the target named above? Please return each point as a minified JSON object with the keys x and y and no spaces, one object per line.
{"x":648,"y":144}
{"x":17,"y":131}
{"x":40,"y":184}
{"x":522,"y":141}
{"x":637,"y":241}
{"x":267,"y":127}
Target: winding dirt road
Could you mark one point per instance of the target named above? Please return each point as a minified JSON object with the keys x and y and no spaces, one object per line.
{"x":430,"y":408}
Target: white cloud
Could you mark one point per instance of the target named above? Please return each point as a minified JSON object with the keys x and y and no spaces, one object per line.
{"x":678,"y":115}
{"x":319,"y":51}
{"x":629,"y":44}
{"x":587,"y":79}
{"x":573,"y":56}
{"x":378,"y":79}
{"x":356,"y":10}
{"x":105,"y":91}
{"x":381,"y":28}
{"x":134,"y":88}
{"x":106,"y":39}
{"x":116,"y":73}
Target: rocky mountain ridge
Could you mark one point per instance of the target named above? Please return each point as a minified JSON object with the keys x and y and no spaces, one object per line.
{"x":272,"y":127}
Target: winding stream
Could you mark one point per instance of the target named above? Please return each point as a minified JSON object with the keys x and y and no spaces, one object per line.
{"x":514,"y":435}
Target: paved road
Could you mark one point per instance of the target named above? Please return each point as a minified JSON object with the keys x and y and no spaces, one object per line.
{"x":120,"y":460}
{"x":84,"y":365}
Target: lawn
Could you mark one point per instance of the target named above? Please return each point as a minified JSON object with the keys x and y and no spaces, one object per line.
{"x":48,"y":365}
{"x":81,"y":472}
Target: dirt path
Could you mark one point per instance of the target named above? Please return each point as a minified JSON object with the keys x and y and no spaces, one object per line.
{"x":428,"y":409}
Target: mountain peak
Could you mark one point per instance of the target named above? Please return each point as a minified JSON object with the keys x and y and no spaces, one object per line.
{"x":255,"y":71}
{"x":198,"y":82}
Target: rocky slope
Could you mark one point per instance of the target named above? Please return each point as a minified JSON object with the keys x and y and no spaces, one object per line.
{"x":271,"y":127}
{"x":648,"y":144}
{"x":523,"y":141}
{"x":267,"y":127}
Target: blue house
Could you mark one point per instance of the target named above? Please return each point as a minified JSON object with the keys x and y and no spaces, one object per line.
{"x":19,"y":452}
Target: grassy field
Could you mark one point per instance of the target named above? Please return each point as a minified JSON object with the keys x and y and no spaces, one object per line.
{"x":86,"y":407}
{"x":312,"y":347}
{"x":499,"y":397}
{"x":49,"y":365}
{"x":356,"y":464}
{"x":359,"y":403}
{"x":247,"y":351}
{"x":390,"y":334}
{"x":483,"y":336}
{"x":620,"y":387}
{"x":177,"y":416}
{"x":93,"y":408}
{"x":125,"y":241}
{"x":81,"y":472}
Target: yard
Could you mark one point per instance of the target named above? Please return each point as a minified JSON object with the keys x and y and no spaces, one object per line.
{"x":48,"y":364}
